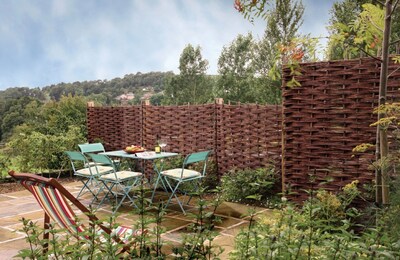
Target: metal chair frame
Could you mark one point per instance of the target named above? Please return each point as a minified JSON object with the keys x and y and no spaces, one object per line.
{"x":88,"y":174}
{"x":117,"y":183}
{"x":183,"y":175}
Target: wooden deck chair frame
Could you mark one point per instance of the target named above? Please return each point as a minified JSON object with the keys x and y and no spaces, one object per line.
{"x":55,"y":201}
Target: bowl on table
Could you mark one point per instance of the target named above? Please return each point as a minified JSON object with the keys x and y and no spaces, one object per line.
{"x":134,"y":149}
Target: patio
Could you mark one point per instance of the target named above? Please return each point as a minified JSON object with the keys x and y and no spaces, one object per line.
{"x":20,"y":204}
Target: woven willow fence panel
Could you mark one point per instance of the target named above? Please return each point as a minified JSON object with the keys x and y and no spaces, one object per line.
{"x":249,"y":136}
{"x":240,"y":136}
{"x":185,"y":128}
{"x":326,"y":118}
{"x":115,"y":127}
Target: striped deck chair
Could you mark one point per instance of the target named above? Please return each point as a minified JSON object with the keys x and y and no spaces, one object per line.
{"x":55,"y":201}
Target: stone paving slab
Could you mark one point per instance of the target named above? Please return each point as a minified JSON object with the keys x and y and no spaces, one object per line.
{"x":14,"y":206}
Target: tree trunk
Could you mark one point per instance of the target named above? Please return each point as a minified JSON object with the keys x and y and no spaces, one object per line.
{"x":383,"y":143}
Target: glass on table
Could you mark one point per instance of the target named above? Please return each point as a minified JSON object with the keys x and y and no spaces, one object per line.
{"x":162,"y":143}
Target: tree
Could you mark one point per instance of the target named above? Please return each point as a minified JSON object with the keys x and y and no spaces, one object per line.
{"x":284,"y":21}
{"x":237,"y":70}
{"x":190,"y":86}
{"x":13,"y":114}
{"x":342,"y":15}
{"x":361,"y":36}
{"x":280,"y":43}
{"x":48,"y":130}
{"x":383,"y":142}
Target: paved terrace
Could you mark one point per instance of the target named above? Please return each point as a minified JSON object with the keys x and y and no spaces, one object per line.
{"x":14,"y":206}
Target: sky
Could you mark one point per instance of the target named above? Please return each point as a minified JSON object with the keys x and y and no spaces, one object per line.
{"x":46,"y":42}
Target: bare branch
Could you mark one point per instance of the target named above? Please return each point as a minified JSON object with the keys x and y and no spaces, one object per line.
{"x":394,"y":7}
{"x":379,"y":2}
{"x":368,"y":54}
{"x":398,"y":68}
{"x":394,"y":42}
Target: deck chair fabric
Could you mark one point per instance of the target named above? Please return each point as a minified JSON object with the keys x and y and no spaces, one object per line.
{"x":116,"y":183}
{"x":55,"y":201}
{"x":173,"y":178}
{"x":88,"y":174}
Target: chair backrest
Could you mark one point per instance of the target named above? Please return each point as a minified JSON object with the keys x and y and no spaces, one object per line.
{"x":197,"y":157}
{"x":91,"y":148}
{"x":78,"y":160}
{"x":101,"y":159}
{"x":55,"y":201}
{"x":76,"y":156}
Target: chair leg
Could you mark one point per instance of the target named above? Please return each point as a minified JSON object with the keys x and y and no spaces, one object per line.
{"x":46,"y":233}
{"x":159,"y":178}
{"x":109,"y":191}
{"x":126,"y":191}
{"x":85,"y":186}
{"x":173,"y":194}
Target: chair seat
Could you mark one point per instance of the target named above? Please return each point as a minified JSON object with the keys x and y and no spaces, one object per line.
{"x":121,"y":175}
{"x":177,"y":173}
{"x":92,"y":170}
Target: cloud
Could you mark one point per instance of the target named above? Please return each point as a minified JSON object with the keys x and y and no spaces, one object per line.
{"x":48,"y":42}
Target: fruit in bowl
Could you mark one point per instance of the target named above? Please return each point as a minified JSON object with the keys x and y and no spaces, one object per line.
{"x":134,"y":149}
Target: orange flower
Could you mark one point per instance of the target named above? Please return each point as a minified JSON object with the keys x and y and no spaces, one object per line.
{"x":297,"y":55}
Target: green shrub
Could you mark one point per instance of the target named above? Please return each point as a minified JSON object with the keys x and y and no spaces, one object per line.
{"x":240,"y":185}
{"x":290,"y":233}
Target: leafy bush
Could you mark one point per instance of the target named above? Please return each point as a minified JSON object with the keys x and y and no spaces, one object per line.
{"x":240,"y":185}
{"x":314,"y":232}
{"x":38,"y":144}
{"x":37,"y":152}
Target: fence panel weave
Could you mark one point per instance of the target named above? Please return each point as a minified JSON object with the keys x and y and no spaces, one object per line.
{"x":249,"y":136}
{"x":326,"y":117}
{"x":246,"y":136}
{"x":115,"y":127}
{"x":185,"y":128}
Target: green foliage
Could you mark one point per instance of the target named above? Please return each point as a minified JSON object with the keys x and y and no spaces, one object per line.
{"x":284,"y":20}
{"x":191,"y":85}
{"x":38,"y":144}
{"x":105,"y":91}
{"x":239,"y":185}
{"x":37,"y":152}
{"x":12,"y":114}
{"x":290,"y":233}
{"x":356,"y":27}
{"x":236,"y":67}
{"x":198,"y":243}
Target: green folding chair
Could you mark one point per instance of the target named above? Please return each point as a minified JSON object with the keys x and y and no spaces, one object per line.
{"x":88,"y":174}
{"x":173,"y":178}
{"x":117,"y":183}
{"x":95,"y":148}
{"x":91,"y":148}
